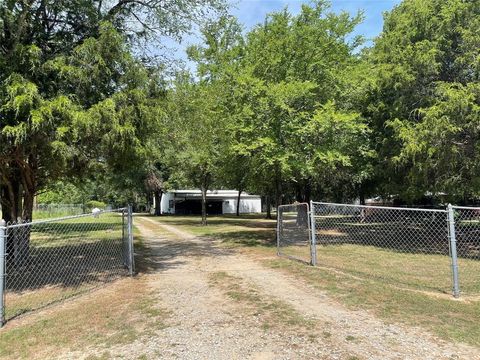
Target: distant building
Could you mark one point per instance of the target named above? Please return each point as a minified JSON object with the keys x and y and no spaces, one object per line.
{"x":189,"y":202}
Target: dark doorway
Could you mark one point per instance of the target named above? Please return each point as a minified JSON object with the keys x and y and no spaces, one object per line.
{"x":194,"y":207}
{"x":214,"y":207}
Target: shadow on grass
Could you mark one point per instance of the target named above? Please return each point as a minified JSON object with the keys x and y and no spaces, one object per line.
{"x":246,"y":238}
{"x":48,"y":262}
{"x":250,"y":221}
{"x":414,"y":237}
{"x":74,"y":228}
{"x":67,"y":265}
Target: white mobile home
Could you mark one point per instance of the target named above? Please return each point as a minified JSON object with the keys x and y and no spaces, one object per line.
{"x":188,"y":202}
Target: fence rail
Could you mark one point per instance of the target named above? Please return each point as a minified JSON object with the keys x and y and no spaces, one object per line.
{"x":428,"y":249}
{"x":42,"y":262}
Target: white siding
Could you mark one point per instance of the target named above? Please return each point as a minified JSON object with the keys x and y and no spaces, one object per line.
{"x":167,"y":200}
{"x":249,"y":205}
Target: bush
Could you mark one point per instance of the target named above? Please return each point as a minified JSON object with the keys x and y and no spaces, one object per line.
{"x":95,"y":204}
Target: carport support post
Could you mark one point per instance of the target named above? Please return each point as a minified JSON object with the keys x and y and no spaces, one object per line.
{"x":3,"y":238}
{"x":453,"y":251}
{"x":313,"y":245}
{"x":131,"y":265}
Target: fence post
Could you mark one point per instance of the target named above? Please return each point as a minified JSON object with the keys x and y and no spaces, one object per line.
{"x":131,"y":263}
{"x":3,"y":237}
{"x":453,"y":251}
{"x":313,"y":244}
{"x":124,"y":240}
{"x":278,"y":230}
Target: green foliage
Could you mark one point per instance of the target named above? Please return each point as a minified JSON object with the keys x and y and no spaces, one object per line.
{"x":92,"y":204}
{"x":280,"y":85}
{"x":196,"y":133}
{"x":74,"y":101}
{"x":424,"y":102}
{"x":291,"y":109}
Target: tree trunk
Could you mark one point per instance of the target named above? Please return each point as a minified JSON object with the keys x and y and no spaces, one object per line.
{"x":361,"y":195}
{"x":308,"y":191}
{"x":148,"y":200}
{"x":302,"y":215}
{"x":22,"y":245}
{"x":204,"y":205}
{"x":238,"y":202}
{"x":303,"y":191}
{"x":269,"y":206}
{"x":278,"y":188}
{"x":11,"y":198}
{"x":17,"y":206}
{"x":158,"y":198}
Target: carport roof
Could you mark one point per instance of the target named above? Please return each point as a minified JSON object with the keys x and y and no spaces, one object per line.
{"x":213,"y":193}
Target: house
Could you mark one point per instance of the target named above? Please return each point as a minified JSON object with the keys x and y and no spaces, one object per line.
{"x":189,"y":202}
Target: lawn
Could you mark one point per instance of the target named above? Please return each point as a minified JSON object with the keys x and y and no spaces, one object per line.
{"x":111,"y":315}
{"x":429,"y":272}
{"x":397,"y":287}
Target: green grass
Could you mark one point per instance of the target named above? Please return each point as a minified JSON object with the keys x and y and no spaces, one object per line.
{"x":56,"y":212}
{"x":416,"y":271}
{"x":397,"y":287}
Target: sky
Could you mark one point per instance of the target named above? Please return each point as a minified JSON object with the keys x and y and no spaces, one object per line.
{"x":253,"y":12}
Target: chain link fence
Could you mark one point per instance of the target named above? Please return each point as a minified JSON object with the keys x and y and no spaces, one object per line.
{"x":46,"y":261}
{"x":293,"y":232}
{"x":46,"y":211}
{"x":427,"y":249}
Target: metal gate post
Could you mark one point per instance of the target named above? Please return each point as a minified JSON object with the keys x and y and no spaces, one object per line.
{"x":313,"y":244}
{"x":124,"y":241}
{"x":453,"y":251}
{"x":131,"y":263}
{"x":3,"y":238}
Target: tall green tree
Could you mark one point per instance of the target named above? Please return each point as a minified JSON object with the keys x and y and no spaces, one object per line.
{"x":197,"y":135}
{"x":298,"y":68}
{"x":61,"y":70}
{"x":424,"y":103}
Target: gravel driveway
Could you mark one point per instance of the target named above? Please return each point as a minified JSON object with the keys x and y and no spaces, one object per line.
{"x":211,"y":320}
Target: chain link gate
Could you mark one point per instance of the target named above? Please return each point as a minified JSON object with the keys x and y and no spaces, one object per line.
{"x":405,"y":247}
{"x":293,"y":232}
{"x":425,"y":249}
{"x":46,"y":261}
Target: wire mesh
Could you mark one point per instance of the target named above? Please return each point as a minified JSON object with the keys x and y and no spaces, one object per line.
{"x":293,"y":232}
{"x":467,"y":234}
{"x":404,"y":247}
{"x":48,"y":261}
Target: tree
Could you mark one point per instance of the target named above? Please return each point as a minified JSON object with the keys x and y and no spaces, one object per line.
{"x":423,"y":105}
{"x":285,"y":90}
{"x":59,"y":66}
{"x":297,"y":72}
{"x":197,"y":135}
